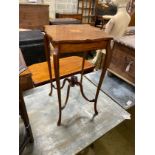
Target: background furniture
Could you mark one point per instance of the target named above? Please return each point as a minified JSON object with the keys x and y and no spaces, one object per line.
{"x":123,"y":58}
{"x":25,"y":80}
{"x":77,"y":16}
{"x":31,"y":44}
{"x":85,"y":12}
{"x":87,"y":9}
{"x":115,"y":28}
{"x":23,"y":112}
{"x":33,"y":16}
{"x":59,"y":21}
{"x":103,"y":13}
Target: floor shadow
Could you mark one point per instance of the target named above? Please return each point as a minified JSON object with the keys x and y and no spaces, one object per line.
{"x":76,"y":119}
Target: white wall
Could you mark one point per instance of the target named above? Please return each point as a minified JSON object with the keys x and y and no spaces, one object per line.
{"x":66,"y":6}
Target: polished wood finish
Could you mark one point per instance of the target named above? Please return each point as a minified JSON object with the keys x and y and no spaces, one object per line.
{"x":122,"y":57}
{"x":85,"y":46}
{"x":68,"y":66}
{"x":33,"y":16}
{"x":75,"y":34}
{"x":82,"y":36}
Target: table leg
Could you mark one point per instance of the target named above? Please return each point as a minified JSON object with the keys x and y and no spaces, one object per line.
{"x":47,"y":52}
{"x":57,"y":78}
{"x":104,"y":68}
{"x":82,"y":69}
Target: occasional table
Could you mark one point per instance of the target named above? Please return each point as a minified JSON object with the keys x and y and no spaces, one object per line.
{"x":74,"y":38}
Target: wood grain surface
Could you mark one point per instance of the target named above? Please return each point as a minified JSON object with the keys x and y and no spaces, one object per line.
{"x":25,"y":80}
{"x":75,"y":33}
{"x":33,"y":16}
{"x":68,"y":66}
{"x":122,"y":56}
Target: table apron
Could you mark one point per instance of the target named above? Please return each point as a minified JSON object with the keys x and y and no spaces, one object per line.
{"x":79,"y":47}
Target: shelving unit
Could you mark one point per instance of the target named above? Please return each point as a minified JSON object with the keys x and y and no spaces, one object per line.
{"x":87,"y":9}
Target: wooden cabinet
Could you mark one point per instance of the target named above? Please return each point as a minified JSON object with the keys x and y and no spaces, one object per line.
{"x":33,"y":16}
{"x":87,"y":9}
{"x":25,"y":80}
{"x":123,"y":62}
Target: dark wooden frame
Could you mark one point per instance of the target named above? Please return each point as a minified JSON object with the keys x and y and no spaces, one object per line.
{"x":23,"y":112}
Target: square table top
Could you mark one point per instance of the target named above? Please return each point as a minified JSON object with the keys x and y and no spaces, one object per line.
{"x":73,"y":33}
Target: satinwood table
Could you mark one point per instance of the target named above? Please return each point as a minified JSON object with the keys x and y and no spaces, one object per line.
{"x":74,"y":38}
